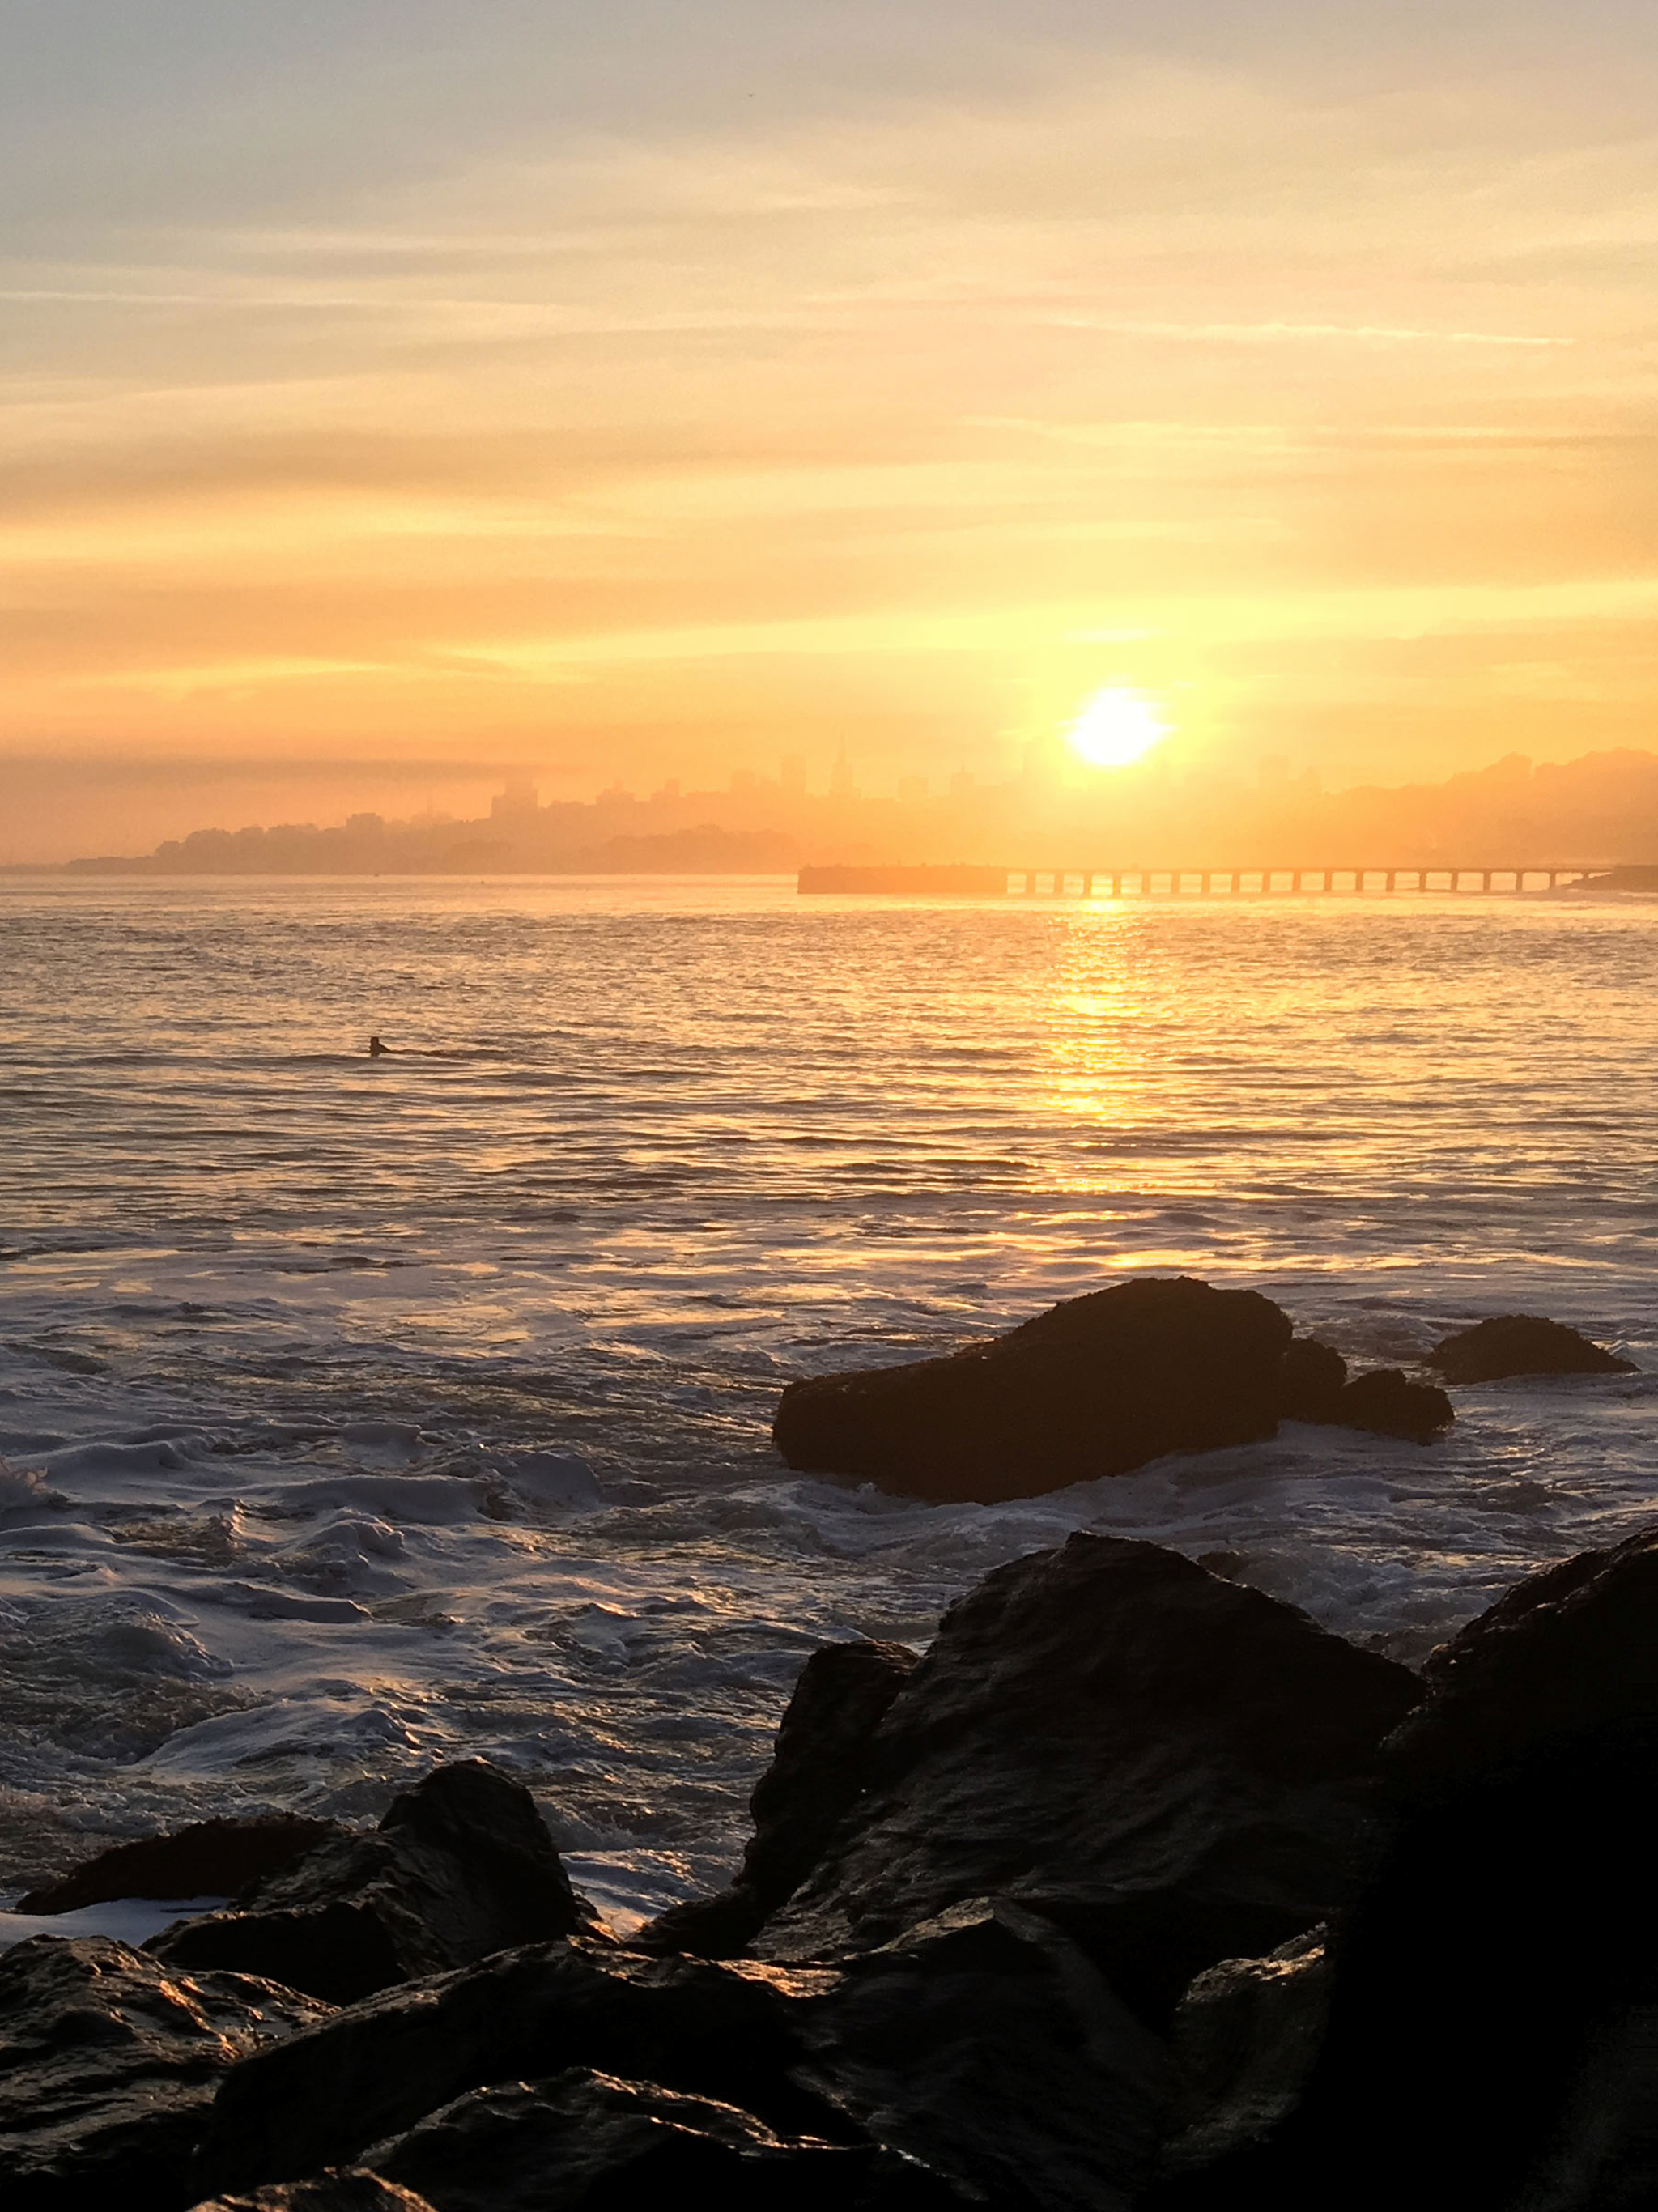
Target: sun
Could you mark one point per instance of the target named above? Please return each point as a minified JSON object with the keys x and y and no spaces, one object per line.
{"x":1115,"y":727}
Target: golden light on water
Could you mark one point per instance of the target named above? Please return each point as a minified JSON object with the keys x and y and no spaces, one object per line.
{"x":1117,"y":727}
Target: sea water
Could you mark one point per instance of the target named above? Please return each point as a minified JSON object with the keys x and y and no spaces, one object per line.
{"x":357,"y":1414}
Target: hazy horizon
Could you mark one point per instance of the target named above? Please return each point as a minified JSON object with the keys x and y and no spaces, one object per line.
{"x":402,"y":397}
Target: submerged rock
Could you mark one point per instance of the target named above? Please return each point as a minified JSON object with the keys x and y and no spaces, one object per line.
{"x":1520,"y":1343}
{"x":818,"y":1770}
{"x":210,"y":1858}
{"x":1096,"y":1386}
{"x":460,"y":1866}
{"x":108,"y":2066}
{"x":1385,"y":1405}
{"x":1175,"y":1769}
{"x":1309,"y":1380}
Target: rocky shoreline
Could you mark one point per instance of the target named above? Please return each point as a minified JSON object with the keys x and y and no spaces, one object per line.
{"x":1137,"y":1889}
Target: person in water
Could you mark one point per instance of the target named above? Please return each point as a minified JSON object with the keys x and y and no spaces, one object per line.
{"x":375,"y":1048}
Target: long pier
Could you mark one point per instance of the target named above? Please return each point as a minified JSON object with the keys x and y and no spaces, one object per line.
{"x":1204,"y":883}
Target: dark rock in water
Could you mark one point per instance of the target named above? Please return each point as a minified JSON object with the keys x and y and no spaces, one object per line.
{"x":1488,"y":1987}
{"x":108,"y":2064}
{"x":819,"y":1772}
{"x":460,"y":1866}
{"x":1175,"y":1769}
{"x":350,"y":2188}
{"x":1244,"y":2041}
{"x":1309,"y":1379}
{"x":1520,"y":1343}
{"x":212,"y":1858}
{"x":728,"y":2032}
{"x":1096,"y":1386}
{"x":586,"y":2141}
{"x":985,"y":2045}
{"x":1385,"y":1405}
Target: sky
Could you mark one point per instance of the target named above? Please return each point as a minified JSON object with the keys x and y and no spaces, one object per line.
{"x":399,"y":395}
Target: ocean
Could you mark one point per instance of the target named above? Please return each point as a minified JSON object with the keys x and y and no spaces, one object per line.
{"x":356,"y":1414}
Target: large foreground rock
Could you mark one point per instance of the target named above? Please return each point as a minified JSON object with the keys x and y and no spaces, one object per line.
{"x":108,"y":2066}
{"x":1520,"y":1343}
{"x":460,"y":1866}
{"x":210,"y":1858}
{"x":1494,"y":1988}
{"x":1175,"y":1769}
{"x":350,"y":2188}
{"x":819,"y":1770}
{"x":979,"y":2053}
{"x":1096,"y":1386}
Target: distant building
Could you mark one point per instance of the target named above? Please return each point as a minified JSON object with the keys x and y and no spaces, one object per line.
{"x":794,"y":773}
{"x":961,"y":783}
{"x":912,"y":789}
{"x":520,"y":798}
{"x":840,"y":783}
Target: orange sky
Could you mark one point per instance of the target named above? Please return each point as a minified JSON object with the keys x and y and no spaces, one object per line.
{"x":404,"y":393}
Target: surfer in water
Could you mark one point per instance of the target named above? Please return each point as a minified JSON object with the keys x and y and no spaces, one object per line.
{"x":376,"y":1048}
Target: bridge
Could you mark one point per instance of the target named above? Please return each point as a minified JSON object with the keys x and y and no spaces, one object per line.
{"x":1210,"y":882}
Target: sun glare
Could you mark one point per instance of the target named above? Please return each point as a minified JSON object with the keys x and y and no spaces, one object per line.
{"x":1114,"y":728}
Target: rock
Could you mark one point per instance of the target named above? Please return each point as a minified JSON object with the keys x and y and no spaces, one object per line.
{"x":1175,"y":1769}
{"x":212,"y":1858}
{"x":587,"y":2141}
{"x":348,"y":2189}
{"x":1520,"y":1343}
{"x":1385,"y":1405}
{"x":728,"y":2032}
{"x":1245,"y":2039}
{"x":1605,"y":2156}
{"x":1309,"y":1380}
{"x":108,"y":2065}
{"x":460,"y":1866}
{"x":984,"y":2044}
{"x":819,"y":1772}
{"x":1488,"y":1983}
{"x":1096,"y":1386}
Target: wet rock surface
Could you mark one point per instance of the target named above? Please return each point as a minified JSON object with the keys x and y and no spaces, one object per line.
{"x":460,"y":1866}
{"x":1096,"y":1386}
{"x":1520,"y":1343}
{"x":210,"y":1858}
{"x":351,"y":2190}
{"x":108,"y":2066}
{"x":819,"y":1770}
{"x":1386,"y":1404}
{"x":1174,"y":1768}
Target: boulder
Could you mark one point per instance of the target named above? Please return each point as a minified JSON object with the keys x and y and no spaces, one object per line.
{"x":108,"y":2065}
{"x":1244,"y":2042}
{"x":985,"y":2045}
{"x":818,"y":1770}
{"x":1492,"y":1987}
{"x":725,"y":2031}
{"x":210,"y":1858}
{"x":1310,"y":1376}
{"x":1096,"y":1386}
{"x":1520,"y":1343}
{"x":460,"y":1866}
{"x":587,"y":2141}
{"x":1174,"y":1768}
{"x":1387,"y":1405}
{"x":348,"y":2189}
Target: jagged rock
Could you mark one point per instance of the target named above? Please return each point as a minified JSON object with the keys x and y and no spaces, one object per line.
{"x":1605,"y":2156}
{"x":818,"y":1770}
{"x":1176,"y":1769}
{"x":460,"y":1866}
{"x":1310,"y":1376}
{"x":210,"y":1858}
{"x":108,"y":2064}
{"x":1385,"y":1405}
{"x":349,"y":2189}
{"x":587,"y":2141}
{"x":1483,"y":1984}
{"x":1244,"y":2041}
{"x":1520,"y":1343}
{"x":984,"y":2044}
{"x":1096,"y":1386}
{"x":983,"y":2048}
{"x":713,"y":2030}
